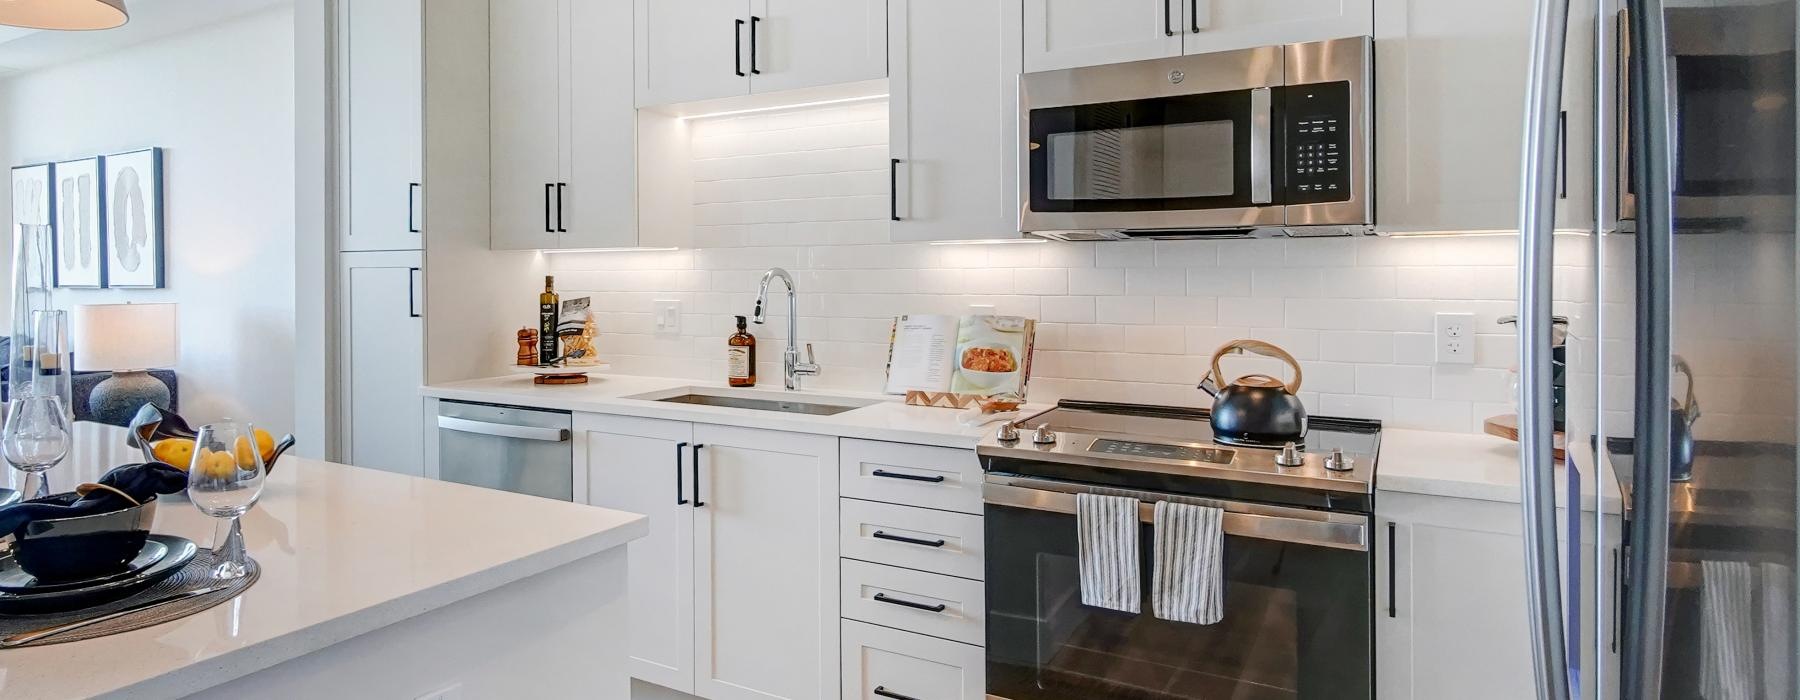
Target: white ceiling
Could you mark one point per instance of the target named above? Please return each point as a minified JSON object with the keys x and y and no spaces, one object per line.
{"x":29,"y":49}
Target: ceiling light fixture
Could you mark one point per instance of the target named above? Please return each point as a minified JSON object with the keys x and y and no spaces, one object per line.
{"x":69,"y":15}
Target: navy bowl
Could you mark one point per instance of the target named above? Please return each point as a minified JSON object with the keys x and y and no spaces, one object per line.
{"x":72,"y":549}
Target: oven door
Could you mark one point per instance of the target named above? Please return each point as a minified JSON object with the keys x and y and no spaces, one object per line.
{"x":1175,"y":143}
{"x":1298,"y":618}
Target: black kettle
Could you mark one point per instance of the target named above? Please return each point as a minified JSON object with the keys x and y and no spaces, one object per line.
{"x":1255,"y":410}
{"x":1682,"y":416}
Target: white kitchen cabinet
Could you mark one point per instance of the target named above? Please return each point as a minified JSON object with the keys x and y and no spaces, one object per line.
{"x":1449,"y":111}
{"x":953,"y":120}
{"x":1451,"y":619}
{"x":692,"y":50}
{"x":635,"y":465}
{"x":1073,"y":33}
{"x":735,"y":591}
{"x":379,"y":54}
{"x":563,"y":125}
{"x":381,"y":358}
{"x":881,"y":663}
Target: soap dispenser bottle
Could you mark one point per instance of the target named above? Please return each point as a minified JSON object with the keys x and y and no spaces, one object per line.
{"x":740,"y":356}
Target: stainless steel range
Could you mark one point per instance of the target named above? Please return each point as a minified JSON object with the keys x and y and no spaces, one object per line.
{"x":1298,"y":567}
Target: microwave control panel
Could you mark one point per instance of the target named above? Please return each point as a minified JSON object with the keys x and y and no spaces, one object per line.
{"x":1318,"y":143}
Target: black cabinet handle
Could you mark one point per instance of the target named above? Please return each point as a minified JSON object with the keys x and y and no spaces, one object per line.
{"x":908,"y":477}
{"x":909,"y":540}
{"x":412,"y":216}
{"x":1194,"y":15}
{"x":883,"y":598}
{"x":894,"y":189}
{"x":1562,"y":152}
{"x":412,"y":292}
{"x":559,"y":191}
{"x":680,"y":495}
{"x":1168,"y":22}
{"x":696,"y":454}
{"x":547,"y":227}
{"x":1392,"y":612}
{"x":737,"y":47}
{"x":754,"y":20}
{"x":884,"y":692}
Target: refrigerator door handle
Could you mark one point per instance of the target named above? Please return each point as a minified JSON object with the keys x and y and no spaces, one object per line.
{"x":1647,"y":568}
{"x":1537,"y":219}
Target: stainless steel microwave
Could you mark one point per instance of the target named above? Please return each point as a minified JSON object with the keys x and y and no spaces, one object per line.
{"x":1275,"y":140}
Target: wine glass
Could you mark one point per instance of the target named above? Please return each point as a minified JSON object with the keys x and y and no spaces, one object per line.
{"x":224,"y":481}
{"x":36,"y":438}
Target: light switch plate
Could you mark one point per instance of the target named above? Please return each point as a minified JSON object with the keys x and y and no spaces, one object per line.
{"x":665,"y":314}
{"x":1456,"y":339}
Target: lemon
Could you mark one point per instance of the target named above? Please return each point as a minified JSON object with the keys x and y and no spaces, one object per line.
{"x":216,"y":464}
{"x":175,"y":451}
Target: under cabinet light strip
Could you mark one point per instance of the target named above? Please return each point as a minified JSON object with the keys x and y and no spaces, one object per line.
{"x":549,"y":251}
{"x":995,"y":241}
{"x":782,"y":107}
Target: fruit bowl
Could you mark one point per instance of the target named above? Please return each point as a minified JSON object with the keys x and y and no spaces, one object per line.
{"x":152,"y":424}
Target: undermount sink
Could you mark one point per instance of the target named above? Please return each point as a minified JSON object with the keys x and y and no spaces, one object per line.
{"x":761,"y":401}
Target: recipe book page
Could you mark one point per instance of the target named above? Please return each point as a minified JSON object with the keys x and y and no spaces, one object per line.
{"x":921,"y":357}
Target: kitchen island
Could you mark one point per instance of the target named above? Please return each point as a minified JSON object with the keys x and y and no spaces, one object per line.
{"x":373,"y":585}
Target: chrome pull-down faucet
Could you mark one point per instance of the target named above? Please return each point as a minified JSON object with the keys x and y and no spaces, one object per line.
{"x":792,"y":369}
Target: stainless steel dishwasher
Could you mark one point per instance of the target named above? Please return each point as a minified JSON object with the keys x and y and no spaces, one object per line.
{"x":523,"y":450}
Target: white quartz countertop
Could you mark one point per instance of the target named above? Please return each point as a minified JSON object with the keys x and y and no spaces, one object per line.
{"x":343,"y":550}
{"x":888,"y":419}
{"x":1470,"y":465}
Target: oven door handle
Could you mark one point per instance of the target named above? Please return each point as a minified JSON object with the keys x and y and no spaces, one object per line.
{"x":1337,"y":531}
{"x":1262,"y":179}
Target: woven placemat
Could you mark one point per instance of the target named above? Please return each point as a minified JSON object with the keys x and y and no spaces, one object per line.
{"x":197,"y":574}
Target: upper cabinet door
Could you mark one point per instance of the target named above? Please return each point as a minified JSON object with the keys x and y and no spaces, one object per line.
{"x":691,"y":50}
{"x":599,"y":199}
{"x":953,"y":120}
{"x":1071,"y":33}
{"x":1224,"y":25}
{"x":525,"y":102}
{"x":807,"y":43}
{"x":382,"y":135}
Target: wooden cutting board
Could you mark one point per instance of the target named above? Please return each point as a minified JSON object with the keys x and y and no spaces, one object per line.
{"x":1507,"y":426}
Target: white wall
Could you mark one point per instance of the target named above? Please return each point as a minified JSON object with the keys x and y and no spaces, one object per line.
{"x":220,"y":101}
{"x":807,"y":190}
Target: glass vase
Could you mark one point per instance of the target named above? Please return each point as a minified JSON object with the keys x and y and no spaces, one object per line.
{"x":32,"y":280}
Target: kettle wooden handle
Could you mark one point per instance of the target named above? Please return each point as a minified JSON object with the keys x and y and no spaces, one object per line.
{"x":1258,"y":347}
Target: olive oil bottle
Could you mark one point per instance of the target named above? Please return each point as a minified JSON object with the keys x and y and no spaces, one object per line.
{"x":547,"y":303}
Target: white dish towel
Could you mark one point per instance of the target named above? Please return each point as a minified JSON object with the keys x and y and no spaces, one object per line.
{"x":1188,"y":581}
{"x":1107,"y":539}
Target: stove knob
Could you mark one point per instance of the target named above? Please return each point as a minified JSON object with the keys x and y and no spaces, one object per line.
{"x":1337,"y":462}
{"x":1290,"y":456}
{"x":1044,"y":435}
{"x":1009,"y":432}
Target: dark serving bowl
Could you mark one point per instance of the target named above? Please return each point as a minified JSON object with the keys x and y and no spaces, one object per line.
{"x":72,"y":549}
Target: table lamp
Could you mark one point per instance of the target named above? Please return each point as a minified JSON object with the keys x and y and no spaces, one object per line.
{"x":128,"y":340}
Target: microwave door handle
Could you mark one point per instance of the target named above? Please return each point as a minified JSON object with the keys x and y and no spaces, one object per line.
{"x":1262,"y":184}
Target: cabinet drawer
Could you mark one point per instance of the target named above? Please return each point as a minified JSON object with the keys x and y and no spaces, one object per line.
{"x":914,"y":475}
{"x":903,"y":664}
{"x":915,"y":538}
{"x":934,"y":604}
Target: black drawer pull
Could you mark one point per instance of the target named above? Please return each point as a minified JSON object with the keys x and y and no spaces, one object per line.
{"x":884,"y":692}
{"x":882,"y":598}
{"x":1392,"y":552}
{"x":909,"y":540}
{"x":909,"y":477}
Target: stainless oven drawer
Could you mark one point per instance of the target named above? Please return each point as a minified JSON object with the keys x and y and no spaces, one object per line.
{"x":916,"y":538}
{"x":914,"y":475}
{"x":933,"y":604}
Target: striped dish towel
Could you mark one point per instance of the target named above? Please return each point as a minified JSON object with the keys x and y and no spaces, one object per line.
{"x":1107,"y":539}
{"x":1727,"y":618}
{"x":1188,"y":583}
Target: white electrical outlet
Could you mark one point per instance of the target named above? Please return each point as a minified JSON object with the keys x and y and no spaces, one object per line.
{"x":1456,"y":339}
{"x":666,"y":314}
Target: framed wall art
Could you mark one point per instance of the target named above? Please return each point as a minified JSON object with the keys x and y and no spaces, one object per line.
{"x":134,"y":221}
{"x":80,"y":249}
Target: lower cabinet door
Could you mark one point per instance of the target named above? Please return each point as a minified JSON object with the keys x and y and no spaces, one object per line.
{"x":882,"y":663}
{"x":765,"y":565}
{"x":382,"y":360}
{"x":634,"y":465}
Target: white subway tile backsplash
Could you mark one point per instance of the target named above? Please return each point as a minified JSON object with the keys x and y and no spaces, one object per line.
{"x":1120,"y":320}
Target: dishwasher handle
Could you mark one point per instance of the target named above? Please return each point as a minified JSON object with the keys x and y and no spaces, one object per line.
{"x":506,"y":430}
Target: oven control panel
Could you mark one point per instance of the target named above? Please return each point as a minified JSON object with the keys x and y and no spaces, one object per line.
{"x":1318,"y":143}
{"x":1156,"y":450}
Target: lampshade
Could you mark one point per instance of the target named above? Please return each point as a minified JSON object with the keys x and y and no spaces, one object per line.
{"x":123,"y":336}
{"x":63,"y":14}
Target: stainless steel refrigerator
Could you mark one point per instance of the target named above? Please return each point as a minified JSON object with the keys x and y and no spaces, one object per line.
{"x":1681,"y":382}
